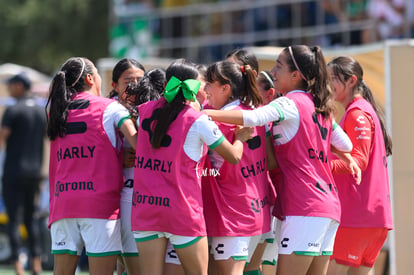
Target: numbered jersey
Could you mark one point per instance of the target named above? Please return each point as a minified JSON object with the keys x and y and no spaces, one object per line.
{"x":307,"y":187}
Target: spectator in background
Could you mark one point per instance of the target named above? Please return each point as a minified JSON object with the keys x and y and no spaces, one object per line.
{"x":356,"y":10}
{"x":337,"y":11}
{"x":22,"y":133}
{"x":173,"y":27}
{"x":389,"y":14}
{"x":333,"y":14}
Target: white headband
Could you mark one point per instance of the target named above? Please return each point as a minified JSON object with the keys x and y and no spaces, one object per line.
{"x":81,"y":73}
{"x":296,"y":64}
{"x":268,"y":78}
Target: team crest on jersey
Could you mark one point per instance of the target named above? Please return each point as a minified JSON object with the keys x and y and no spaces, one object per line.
{"x":361,"y":119}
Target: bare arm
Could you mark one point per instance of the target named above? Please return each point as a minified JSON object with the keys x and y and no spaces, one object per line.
{"x":233,"y":153}
{"x":352,"y":165}
{"x":277,"y":110}
{"x":229,"y":116}
{"x":270,"y":154}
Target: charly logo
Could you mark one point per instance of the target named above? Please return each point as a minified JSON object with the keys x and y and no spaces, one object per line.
{"x":284,"y":242}
{"x":353,"y":257}
{"x":172,"y":254}
{"x":73,"y":186}
{"x":218,"y":248}
{"x":256,"y":169}
{"x":75,"y":152}
{"x":153,"y":164}
{"x":361,"y":119}
{"x":314,"y":244}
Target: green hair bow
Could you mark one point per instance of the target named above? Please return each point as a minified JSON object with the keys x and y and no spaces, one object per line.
{"x":189,"y":88}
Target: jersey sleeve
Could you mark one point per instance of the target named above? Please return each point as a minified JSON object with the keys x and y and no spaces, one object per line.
{"x":209,"y":132}
{"x":280,"y":109}
{"x":340,"y":139}
{"x":116,"y":114}
{"x":360,"y":129}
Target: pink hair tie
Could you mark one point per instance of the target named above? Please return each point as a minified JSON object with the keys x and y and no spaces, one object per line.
{"x":242,"y":69}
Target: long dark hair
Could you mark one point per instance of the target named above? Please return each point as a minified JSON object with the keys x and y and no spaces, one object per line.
{"x":345,"y":67}
{"x":120,"y":67}
{"x":242,"y":81}
{"x":310,"y":63}
{"x":244,"y":57}
{"x":150,"y":87}
{"x":67,"y":82}
{"x":183,"y":70}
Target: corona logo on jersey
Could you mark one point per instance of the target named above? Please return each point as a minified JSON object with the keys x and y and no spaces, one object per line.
{"x":73,"y":186}
{"x":259,"y":204}
{"x":138,"y":198}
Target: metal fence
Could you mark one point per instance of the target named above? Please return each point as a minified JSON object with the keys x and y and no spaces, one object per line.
{"x":206,"y":31}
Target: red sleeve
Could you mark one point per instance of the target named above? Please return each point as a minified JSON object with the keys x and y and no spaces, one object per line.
{"x":360,"y":129}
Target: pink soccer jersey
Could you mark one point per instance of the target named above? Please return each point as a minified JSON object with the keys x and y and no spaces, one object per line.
{"x":238,"y":197}
{"x":93,"y":191}
{"x":167,"y":189}
{"x":307,"y":187}
{"x":367,"y":204}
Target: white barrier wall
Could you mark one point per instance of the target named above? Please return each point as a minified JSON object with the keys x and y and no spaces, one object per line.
{"x":399,"y":76}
